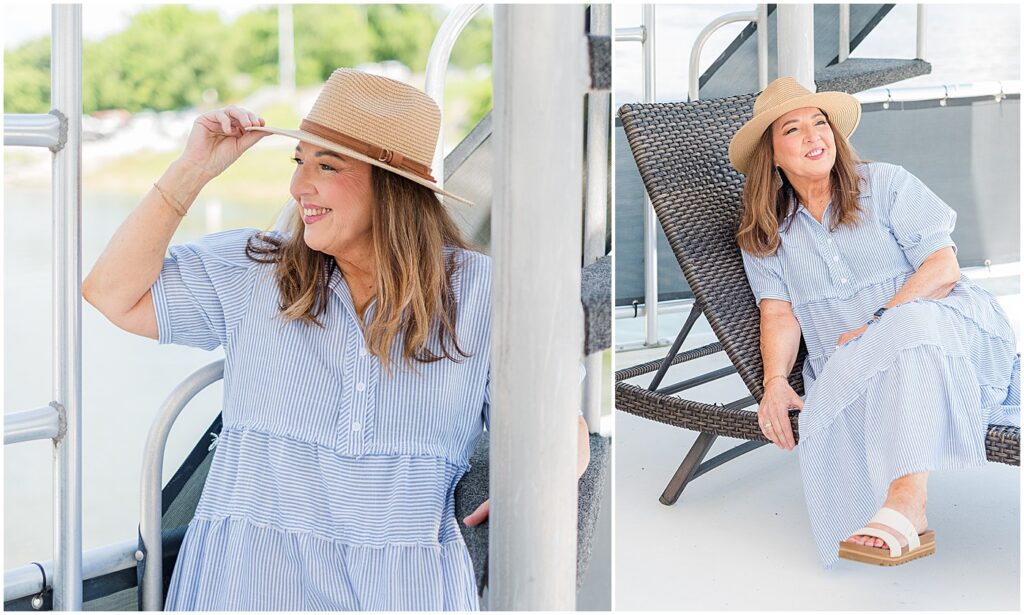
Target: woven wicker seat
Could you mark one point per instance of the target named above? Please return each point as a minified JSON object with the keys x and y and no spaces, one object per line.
{"x":681,"y":150}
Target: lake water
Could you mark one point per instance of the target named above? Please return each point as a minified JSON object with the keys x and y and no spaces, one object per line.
{"x":125,"y":378}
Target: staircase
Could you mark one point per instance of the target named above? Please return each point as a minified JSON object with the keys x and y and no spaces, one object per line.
{"x":735,"y":70}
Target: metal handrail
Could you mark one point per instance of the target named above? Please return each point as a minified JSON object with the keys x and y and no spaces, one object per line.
{"x":60,"y":130}
{"x":981,"y":89}
{"x":437,"y":69}
{"x":101,"y":561}
{"x":151,"y":492}
{"x":35,"y":130}
{"x":759,"y":17}
{"x":36,"y":424}
{"x":645,"y":36}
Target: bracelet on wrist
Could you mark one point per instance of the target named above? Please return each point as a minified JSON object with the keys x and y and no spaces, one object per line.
{"x":180,"y":209}
{"x":765,"y":383}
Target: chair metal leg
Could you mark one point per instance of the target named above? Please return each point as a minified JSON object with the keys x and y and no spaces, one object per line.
{"x":684,"y":474}
{"x":691,"y":319}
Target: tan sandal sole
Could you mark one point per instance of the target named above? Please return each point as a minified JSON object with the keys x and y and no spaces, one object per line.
{"x":880,"y":556}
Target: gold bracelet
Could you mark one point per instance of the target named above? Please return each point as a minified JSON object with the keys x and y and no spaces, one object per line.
{"x":180,"y":209}
{"x":765,"y":383}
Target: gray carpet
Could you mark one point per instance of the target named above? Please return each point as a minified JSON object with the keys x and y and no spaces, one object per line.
{"x":473,"y":489}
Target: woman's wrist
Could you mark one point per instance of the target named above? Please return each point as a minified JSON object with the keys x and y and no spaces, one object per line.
{"x":182,"y":182}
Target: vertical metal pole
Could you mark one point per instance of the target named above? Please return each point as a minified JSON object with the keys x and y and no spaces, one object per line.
{"x":596,"y":211}
{"x":922,"y":30}
{"x":796,"y":43}
{"x":285,"y":48}
{"x":650,"y":219}
{"x":539,"y":83}
{"x":762,"y":47}
{"x":66,"y":97}
{"x":844,"y":32}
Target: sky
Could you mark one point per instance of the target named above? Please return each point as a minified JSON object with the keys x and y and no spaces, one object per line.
{"x":24,"y":21}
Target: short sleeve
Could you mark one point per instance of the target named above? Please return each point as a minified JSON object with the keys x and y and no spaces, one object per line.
{"x":203,"y":289}
{"x":764,"y":273}
{"x":920,"y":221}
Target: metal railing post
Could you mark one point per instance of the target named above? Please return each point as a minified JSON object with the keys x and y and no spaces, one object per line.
{"x":536,"y":250}
{"x":437,"y":69}
{"x":702,"y":38}
{"x":66,"y":98}
{"x":922,"y":30}
{"x":795,"y":43}
{"x":650,"y":219}
{"x":596,"y":210}
{"x":151,"y":490}
{"x":844,"y":32}
{"x":762,"y":46}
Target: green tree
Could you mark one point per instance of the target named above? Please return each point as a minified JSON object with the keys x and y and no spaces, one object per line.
{"x":474,"y":45}
{"x":252,"y":46}
{"x":27,"y":77}
{"x":404,"y":32}
{"x":328,"y":36}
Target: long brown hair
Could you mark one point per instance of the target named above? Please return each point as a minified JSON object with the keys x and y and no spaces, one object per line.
{"x":411,"y":229}
{"x":768,"y":197}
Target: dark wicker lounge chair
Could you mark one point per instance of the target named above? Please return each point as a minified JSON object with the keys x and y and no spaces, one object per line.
{"x":681,"y":150}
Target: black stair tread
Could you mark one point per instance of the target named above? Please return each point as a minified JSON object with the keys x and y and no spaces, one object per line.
{"x":859,"y":74}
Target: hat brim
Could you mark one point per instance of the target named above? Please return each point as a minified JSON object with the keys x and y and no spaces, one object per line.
{"x":302,"y":135}
{"x":842,"y":109}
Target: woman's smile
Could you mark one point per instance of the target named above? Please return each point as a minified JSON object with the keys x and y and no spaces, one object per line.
{"x":311,"y":214}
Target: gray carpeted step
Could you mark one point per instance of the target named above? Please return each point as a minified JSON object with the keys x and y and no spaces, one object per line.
{"x":596,"y":295}
{"x":859,"y":74}
{"x":474,"y":488}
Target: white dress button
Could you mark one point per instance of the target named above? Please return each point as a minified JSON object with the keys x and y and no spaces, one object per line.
{"x":356,"y":426}
{"x":844,"y":280}
{"x":361,"y":386}
{"x":362,"y":352}
{"x":835,"y":258}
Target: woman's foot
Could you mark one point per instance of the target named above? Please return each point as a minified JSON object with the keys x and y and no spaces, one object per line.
{"x":907,"y":495}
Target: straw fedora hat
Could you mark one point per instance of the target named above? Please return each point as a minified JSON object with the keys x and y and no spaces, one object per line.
{"x":779,"y":98}
{"x":378,"y":120}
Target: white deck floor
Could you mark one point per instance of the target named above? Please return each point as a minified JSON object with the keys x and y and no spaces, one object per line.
{"x":739,"y":538}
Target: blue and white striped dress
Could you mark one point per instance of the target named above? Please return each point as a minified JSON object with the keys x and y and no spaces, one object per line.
{"x":332,"y":485}
{"x":915,"y":392}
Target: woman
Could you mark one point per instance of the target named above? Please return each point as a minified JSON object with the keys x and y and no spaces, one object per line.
{"x":908,"y":361}
{"x":357,"y":355}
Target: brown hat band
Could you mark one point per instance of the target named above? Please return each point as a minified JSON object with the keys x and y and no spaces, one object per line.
{"x":381,"y":154}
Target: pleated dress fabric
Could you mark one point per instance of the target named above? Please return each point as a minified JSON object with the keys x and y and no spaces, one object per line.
{"x":917,"y":390}
{"x":332,"y":483}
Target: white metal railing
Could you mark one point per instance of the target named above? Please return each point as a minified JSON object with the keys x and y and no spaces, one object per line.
{"x":997,"y":90}
{"x":37,"y":424}
{"x":844,"y":31}
{"x":61,"y":132}
{"x":34,"y":130}
{"x":437,"y":69}
{"x":151,"y":491}
{"x":759,"y":16}
{"x":645,"y":36}
{"x":27,"y":580}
